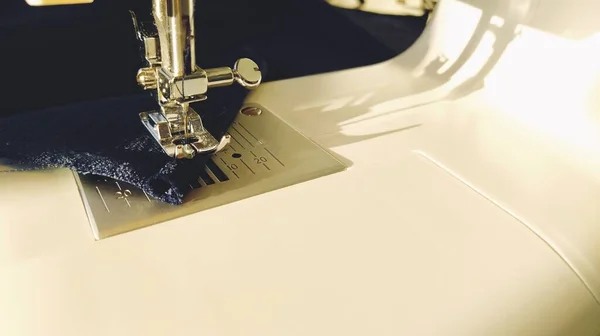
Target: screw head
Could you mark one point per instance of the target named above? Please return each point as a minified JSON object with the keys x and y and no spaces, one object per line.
{"x":251,"y":111}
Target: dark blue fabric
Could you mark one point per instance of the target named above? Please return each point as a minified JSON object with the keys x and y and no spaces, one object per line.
{"x":106,"y":138}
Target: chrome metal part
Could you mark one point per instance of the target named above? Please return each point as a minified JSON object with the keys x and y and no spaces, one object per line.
{"x":247,"y":73}
{"x":264,"y":154}
{"x":182,"y":145}
{"x":172,"y":71}
{"x":147,"y":79}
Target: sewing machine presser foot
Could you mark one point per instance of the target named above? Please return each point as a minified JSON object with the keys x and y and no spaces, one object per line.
{"x":183,"y":145}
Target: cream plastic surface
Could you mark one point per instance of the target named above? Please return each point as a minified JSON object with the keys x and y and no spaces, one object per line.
{"x":470,"y":205}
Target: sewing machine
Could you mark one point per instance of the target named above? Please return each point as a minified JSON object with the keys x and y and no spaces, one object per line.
{"x":470,"y":207}
{"x":260,"y":153}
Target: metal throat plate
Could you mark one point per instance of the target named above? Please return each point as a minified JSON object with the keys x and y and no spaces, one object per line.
{"x":265,"y":154}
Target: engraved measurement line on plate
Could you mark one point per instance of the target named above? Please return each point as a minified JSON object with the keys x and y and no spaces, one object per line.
{"x":236,"y":140}
{"x":123,"y":194}
{"x":248,"y":141}
{"x":252,"y":135}
{"x":245,"y":164}
{"x":233,"y":171}
{"x":275,"y":157}
{"x":261,"y":160}
{"x":102,"y":198}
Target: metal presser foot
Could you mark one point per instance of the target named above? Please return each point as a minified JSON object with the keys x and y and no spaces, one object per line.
{"x":197,"y":140}
{"x":169,"y":50}
{"x":181,"y":134}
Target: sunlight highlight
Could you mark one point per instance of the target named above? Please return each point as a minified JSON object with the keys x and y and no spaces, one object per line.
{"x":552,"y":85}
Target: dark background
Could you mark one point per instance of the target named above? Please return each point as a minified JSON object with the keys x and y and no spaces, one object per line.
{"x":59,"y":55}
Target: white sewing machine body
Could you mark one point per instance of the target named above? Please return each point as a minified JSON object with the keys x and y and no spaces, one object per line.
{"x":466,"y":209}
